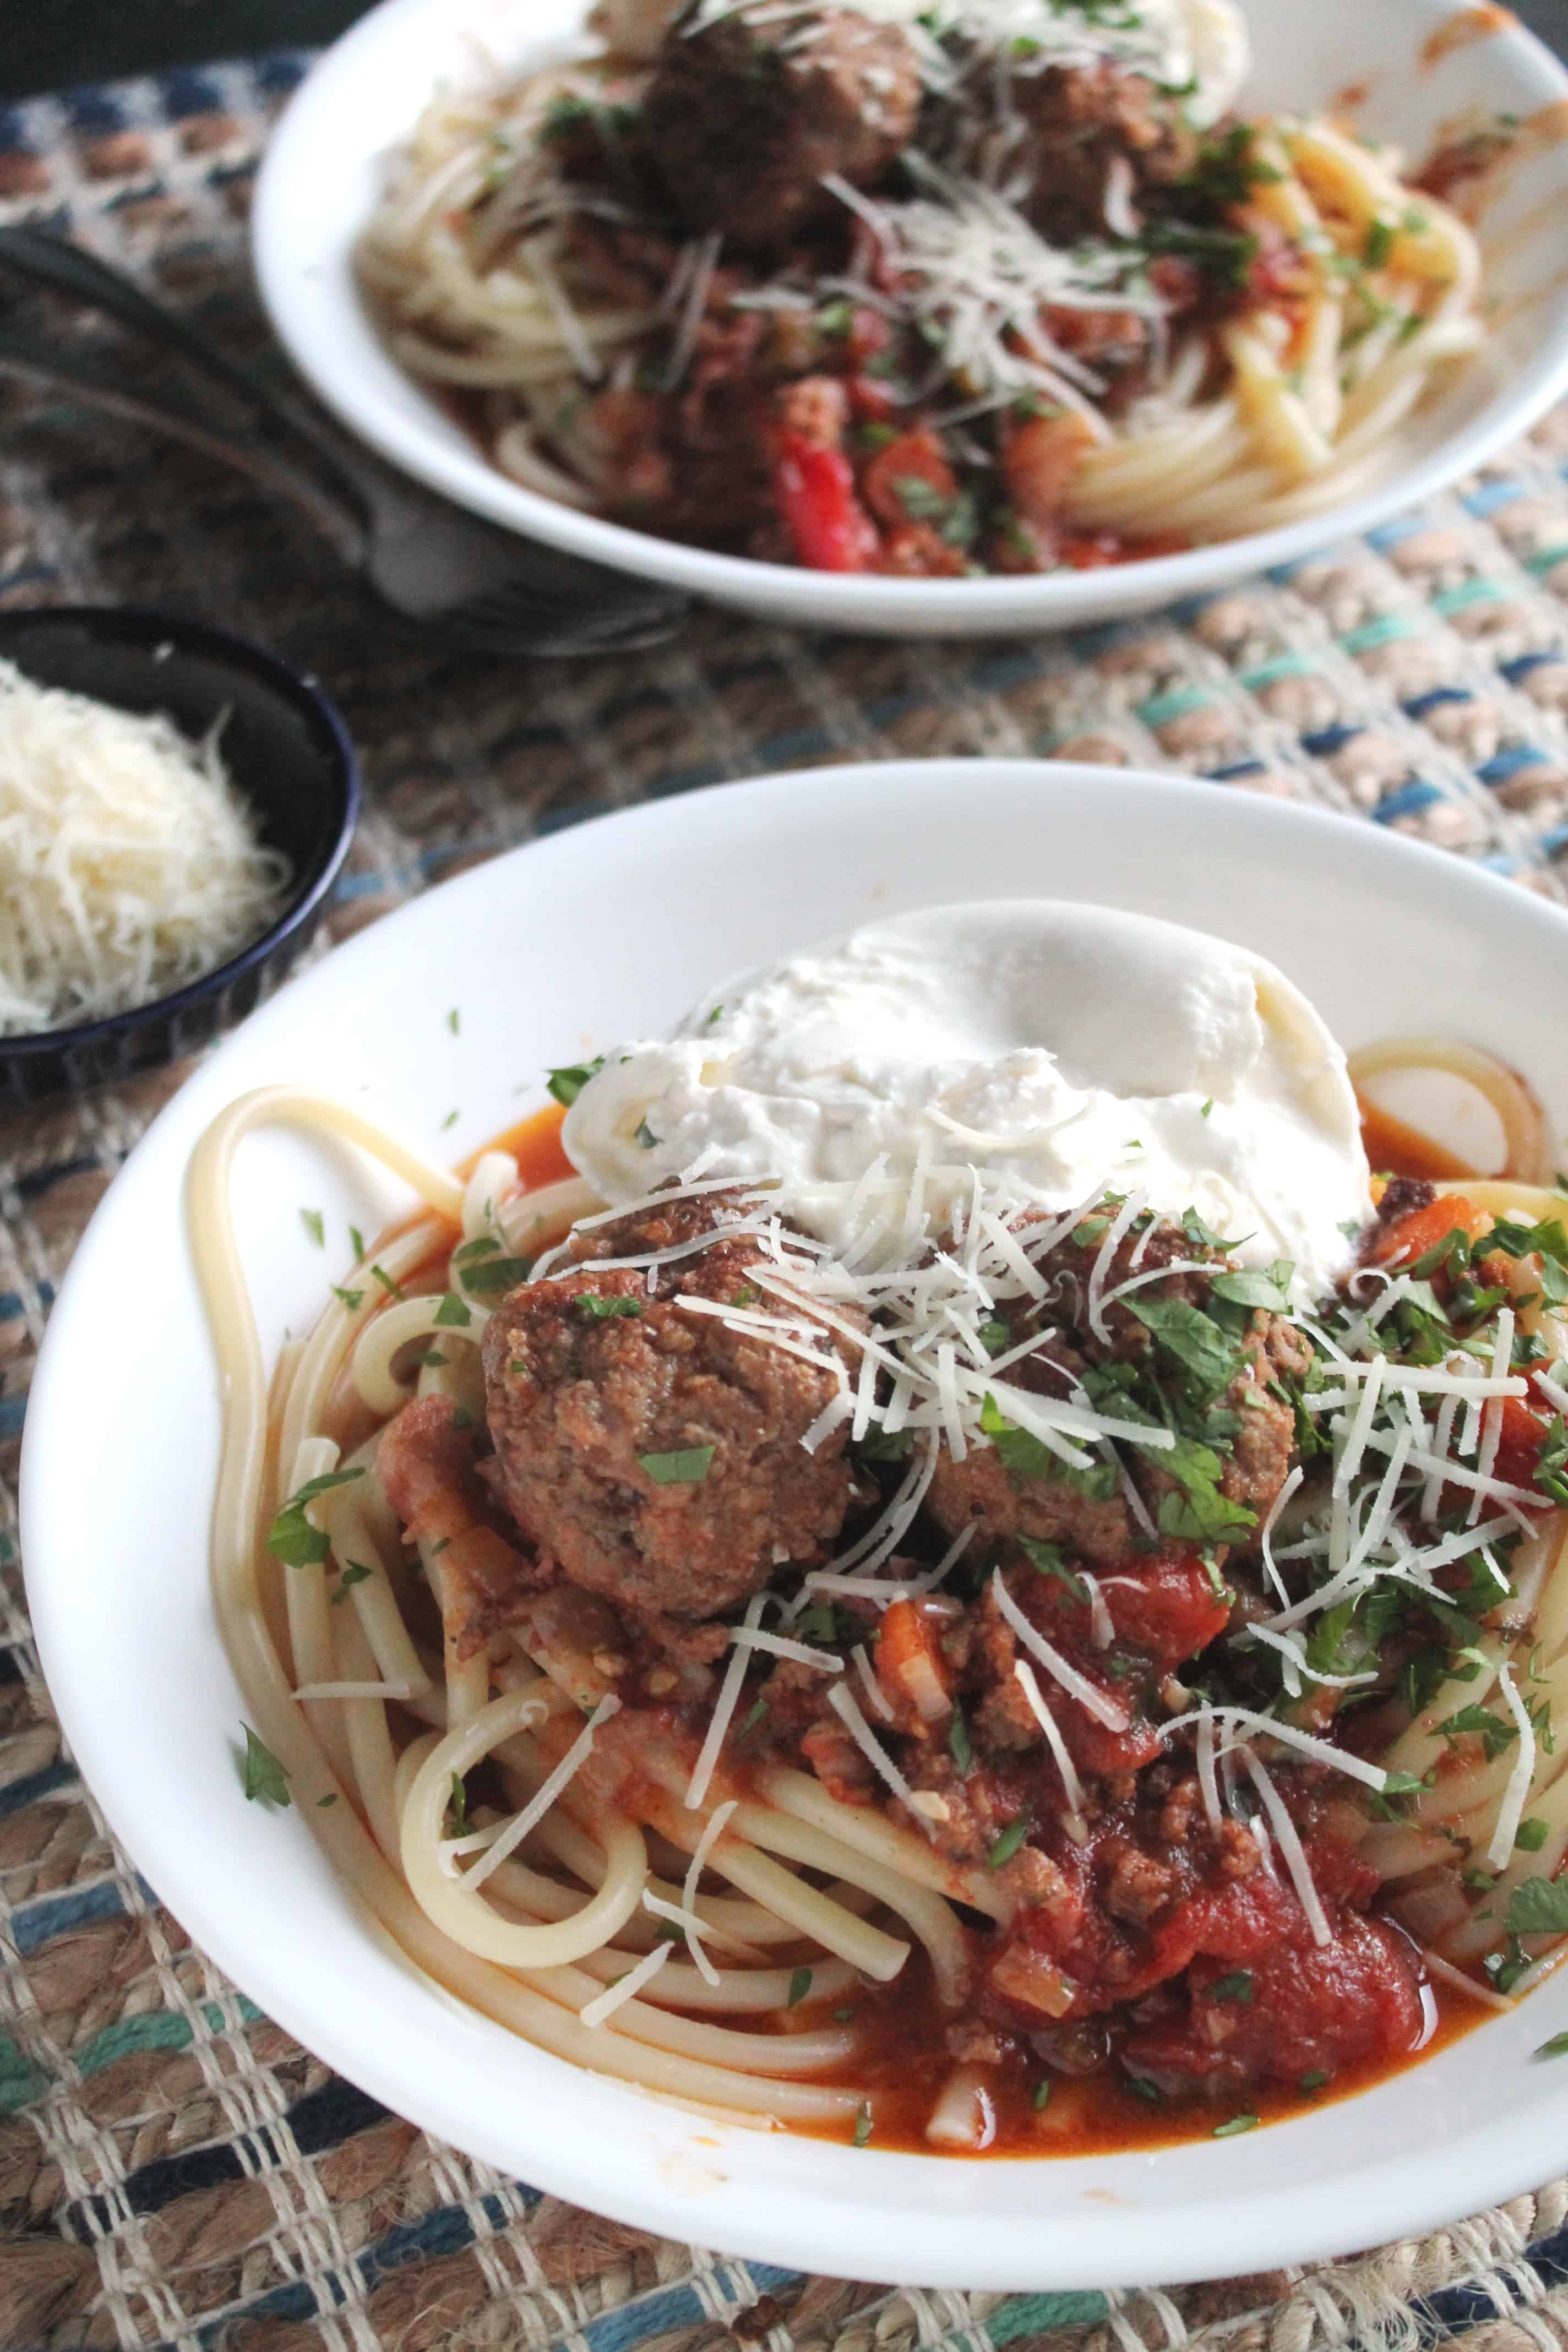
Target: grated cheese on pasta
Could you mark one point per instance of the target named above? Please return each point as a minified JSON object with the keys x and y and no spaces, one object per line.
{"x":129,"y":863}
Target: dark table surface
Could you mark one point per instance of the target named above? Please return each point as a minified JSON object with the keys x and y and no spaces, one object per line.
{"x":69,"y":41}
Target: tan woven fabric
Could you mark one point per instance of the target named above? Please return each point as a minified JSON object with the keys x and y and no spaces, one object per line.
{"x":173,"y":2169}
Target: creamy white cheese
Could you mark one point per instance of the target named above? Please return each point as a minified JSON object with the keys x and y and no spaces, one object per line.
{"x":1060,"y":1048}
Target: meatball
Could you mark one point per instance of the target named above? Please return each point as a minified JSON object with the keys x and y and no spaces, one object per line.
{"x":1015,"y":1491}
{"x":745,"y":116}
{"x":654,"y":1452}
{"x":1080,"y":120}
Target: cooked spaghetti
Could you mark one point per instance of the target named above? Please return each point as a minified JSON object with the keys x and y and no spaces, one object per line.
{"x":1002,"y":1679}
{"x":996,"y":287}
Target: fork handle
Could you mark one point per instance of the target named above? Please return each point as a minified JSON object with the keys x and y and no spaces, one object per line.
{"x":70,"y":268}
{"x":37,"y":365}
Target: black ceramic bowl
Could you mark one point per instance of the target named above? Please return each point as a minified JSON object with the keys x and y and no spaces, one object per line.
{"x":287,"y":752}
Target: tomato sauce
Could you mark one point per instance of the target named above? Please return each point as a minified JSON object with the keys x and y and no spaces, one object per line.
{"x":902,"y":2062}
{"x":1392,"y":1148}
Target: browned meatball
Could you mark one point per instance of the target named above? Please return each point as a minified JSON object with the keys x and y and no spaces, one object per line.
{"x":1086,"y":1511}
{"x":745,"y":116}
{"x":594,"y":1388}
{"x":1080,"y":119}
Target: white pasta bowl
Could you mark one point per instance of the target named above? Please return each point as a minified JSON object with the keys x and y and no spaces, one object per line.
{"x":560,"y":949}
{"x":325,"y":164}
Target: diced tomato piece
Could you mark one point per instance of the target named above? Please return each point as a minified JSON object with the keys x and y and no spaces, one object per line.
{"x":1312,"y":2009}
{"x":916,"y":457}
{"x":871,"y":400}
{"x":1168,"y":1605}
{"x":814,"y":488}
{"x":910,"y":1666}
{"x":1411,"y":1237}
{"x":1519,"y":1441}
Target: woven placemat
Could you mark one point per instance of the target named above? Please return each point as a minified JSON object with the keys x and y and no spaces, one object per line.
{"x":174,"y":2170}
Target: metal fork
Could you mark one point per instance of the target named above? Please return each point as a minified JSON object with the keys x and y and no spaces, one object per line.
{"x":428,"y":559}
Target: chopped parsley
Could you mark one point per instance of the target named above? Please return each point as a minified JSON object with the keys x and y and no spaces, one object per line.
{"x":454,"y":1019}
{"x":1008,"y":1845}
{"x":799,"y":1986}
{"x":600,"y":1308}
{"x":393,"y":1289}
{"x":1531,"y":1835}
{"x":1236,"y":2124}
{"x":567,"y":1084}
{"x":1539,"y":1907}
{"x":1237,"y":1987}
{"x":685,"y":1467}
{"x":863,"y":2125}
{"x":315,"y":1224}
{"x":959,"y":1746}
{"x":453,"y":1314}
{"x":1316,"y":2079}
{"x":1042,"y":2099}
{"x":1556,"y":2048}
{"x":492,"y":1276}
{"x":1046,"y":1559}
{"x":291,"y":1538}
{"x":351,"y":1301}
{"x":262,"y":1776}
{"x":354,"y":1573}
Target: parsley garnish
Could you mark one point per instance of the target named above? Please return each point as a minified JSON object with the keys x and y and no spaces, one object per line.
{"x":1494,"y":1734}
{"x":1539,"y":1907}
{"x":497,"y":1273}
{"x":1556,"y":2048}
{"x":454,"y":1019}
{"x":1236,"y":1987}
{"x":1008,"y":1845}
{"x":958,"y":1741}
{"x":1531,"y":1835}
{"x":1316,"y":2079}
{"x":393,"y":1289}
{"x":799,"y":1986}
{"x":353,"y":1573}
{"x":1142,"y":2088}
{"x":995,"y":1336}
{"x":453,"y":1313}
{"x":1236,"y":2124}
{"x":600,"y":1308}
{"x":291,"y":1538}
{"x":1042,"y":2099}
{"x":566,"y":1085}
{"x":646,"y":1136}
{"x":264,"y":1779}
{"x":863,"y":2125}
{"x":315,"y":1224}
{"x":1047,"y":1560}
{"x":687,"y":1467}
{"x":350,"y":1300}
{"x":458,"y":1808}
{"x":356,"y":1243}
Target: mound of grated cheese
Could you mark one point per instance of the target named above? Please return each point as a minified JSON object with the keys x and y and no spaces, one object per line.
{"x":130,"y":865}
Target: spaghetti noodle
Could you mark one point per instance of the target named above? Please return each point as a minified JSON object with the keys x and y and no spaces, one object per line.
{"x":873,"y":287}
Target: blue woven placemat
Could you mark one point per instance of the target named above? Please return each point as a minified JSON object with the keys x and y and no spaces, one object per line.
{"x":174,"y":2170}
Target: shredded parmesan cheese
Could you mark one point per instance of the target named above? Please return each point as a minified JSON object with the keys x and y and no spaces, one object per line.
{"x":603,"y":2005}
{"x":130,"y":865}
{"x":876,"y":1755}
{"x":539,"y":1804}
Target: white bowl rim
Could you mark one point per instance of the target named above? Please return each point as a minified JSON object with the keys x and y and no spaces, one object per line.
{"x":845,"y":2226}
{"x":827,"y":597}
